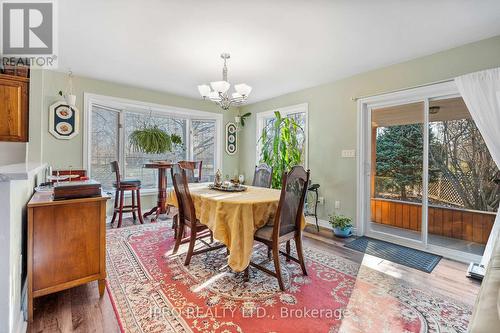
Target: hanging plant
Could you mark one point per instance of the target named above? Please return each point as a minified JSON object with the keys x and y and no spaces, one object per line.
{"x":243,"y":117}
{"x":153,"y":140}
{"x":281,"y":146}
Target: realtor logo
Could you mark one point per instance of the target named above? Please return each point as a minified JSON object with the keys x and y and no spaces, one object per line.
{"x":28,"y":31}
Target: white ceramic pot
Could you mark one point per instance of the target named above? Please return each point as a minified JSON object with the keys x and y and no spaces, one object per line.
{"x":70,"y":99}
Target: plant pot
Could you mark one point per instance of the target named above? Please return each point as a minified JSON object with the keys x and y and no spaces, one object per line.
{"x":342,"y":233}
{"x":70,"y":99}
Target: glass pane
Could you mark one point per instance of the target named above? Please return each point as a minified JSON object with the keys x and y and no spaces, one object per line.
{"x":396,"y":174}
{"x":463,"y":195}
{"x":135,"y":160}
{"x":204,"y":132}
{"x":104,"y":145}
{"x":300,"y":118}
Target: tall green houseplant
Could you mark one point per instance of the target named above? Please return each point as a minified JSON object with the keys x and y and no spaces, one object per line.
{"x":282,"y":146}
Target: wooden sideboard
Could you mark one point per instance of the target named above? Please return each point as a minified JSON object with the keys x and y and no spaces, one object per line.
{"x":66,"y":244}
{"x":14,"y":99}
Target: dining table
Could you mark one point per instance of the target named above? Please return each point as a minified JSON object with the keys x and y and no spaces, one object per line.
{"x":161,"y":203}
{"x":233,"y":217}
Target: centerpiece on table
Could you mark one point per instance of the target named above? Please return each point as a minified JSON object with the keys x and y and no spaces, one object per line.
{"x":225,"y":186}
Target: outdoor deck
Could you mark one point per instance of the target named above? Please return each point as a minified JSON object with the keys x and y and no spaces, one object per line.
{"x":460,"y":229}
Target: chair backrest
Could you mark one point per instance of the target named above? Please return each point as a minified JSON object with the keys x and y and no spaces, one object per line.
{"x":181,"y":188}
{"x":115,"y":168}
{"x":263,"y":176}
{"x":291,"y":204}
{"x":193,"y":170}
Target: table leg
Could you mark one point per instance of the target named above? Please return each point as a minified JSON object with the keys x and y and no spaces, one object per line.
{"x":162,"y":191}
{"x":246,"y":274}
{"x":162,"y":197}
{"x":30,"y":309}
{"x":153,"y":210}
{"x":102,"y":286}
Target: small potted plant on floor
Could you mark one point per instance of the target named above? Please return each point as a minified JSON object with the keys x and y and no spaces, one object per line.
{"x":342,"y":225}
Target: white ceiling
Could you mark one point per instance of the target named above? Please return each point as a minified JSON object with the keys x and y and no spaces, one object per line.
{"x":276,"y":46}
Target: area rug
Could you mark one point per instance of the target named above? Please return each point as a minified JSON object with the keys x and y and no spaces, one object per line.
{"x":152,"y":291}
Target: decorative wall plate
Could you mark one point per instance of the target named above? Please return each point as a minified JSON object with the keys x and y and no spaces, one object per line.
{"x":231,"y":139}
{"x":64,"y":121}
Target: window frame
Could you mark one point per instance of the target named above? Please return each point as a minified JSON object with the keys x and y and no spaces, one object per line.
{"x":123,"y":105}
{"x":262,"y":116}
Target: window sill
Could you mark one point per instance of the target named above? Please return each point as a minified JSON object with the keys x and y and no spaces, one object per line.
{"x":144,"y":192}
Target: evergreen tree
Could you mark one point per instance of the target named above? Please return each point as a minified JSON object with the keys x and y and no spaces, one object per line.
{"x":400,"y":157}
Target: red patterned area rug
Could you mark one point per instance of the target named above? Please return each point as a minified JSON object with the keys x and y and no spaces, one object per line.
{"x":153,"y":291}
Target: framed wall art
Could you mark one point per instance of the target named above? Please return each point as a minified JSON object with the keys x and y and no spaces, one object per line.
{"x":231,"y":139}
{"x":64,"y":120}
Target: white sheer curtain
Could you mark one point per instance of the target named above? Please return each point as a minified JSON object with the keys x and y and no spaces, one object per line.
{"x":481,"y":93}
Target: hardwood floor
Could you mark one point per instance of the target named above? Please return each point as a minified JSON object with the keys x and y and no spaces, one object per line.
{"x":81,"y":310}
{"x":77,"y":309}
{"x":448,"y":278}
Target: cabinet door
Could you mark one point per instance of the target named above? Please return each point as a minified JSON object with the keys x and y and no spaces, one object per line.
{"x":67,"y":244}
{"x":13,"y":110}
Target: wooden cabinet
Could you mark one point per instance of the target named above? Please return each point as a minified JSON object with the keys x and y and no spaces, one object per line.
{"x":66,"y":244}
{"x":14,"y":97}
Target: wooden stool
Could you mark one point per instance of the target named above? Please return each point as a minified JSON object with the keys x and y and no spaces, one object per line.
{"x":133,"y":185}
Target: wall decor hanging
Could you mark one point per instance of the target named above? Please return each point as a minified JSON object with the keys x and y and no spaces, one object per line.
{"x":64,"y":120}
{"x":231,"y":138}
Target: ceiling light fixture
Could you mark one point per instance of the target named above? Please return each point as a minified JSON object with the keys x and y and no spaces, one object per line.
{"x":217,"y":91}
{"x":434,"y":109}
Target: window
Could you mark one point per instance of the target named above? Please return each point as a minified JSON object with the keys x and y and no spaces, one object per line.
{"x":298,"y":112}
{"x":104,"y":144}
{"x":134,"y":160}
{"x":110,"y":123}
{"x":204,"y":147}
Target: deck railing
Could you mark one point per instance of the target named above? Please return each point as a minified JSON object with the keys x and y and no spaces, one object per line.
{"x":469,"y":225}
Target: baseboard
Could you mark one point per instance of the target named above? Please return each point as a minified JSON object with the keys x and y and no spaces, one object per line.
{"x":323,"y":224}
{"x":21,"y":326}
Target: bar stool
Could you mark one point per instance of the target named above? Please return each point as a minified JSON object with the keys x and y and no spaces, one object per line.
{"x":121,"y":186}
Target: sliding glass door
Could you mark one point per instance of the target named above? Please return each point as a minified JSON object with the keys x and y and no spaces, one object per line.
{"x":427,"y":175}
{"x":463,"y":191}
{"x":397,"y":150}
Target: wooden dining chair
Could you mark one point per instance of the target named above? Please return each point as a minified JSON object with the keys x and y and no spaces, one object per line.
{"x":186,"y":217}
{"x":287,"y":223}
{"x":193,"y":170}
{"x":122,"y":185}
{"x":263,"y":176}
{"x":193,"y":174}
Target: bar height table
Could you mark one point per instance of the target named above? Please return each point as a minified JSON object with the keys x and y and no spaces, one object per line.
{"x":161,"y":204}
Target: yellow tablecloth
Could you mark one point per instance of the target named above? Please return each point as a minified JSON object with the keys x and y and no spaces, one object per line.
{"x":233,"y":217}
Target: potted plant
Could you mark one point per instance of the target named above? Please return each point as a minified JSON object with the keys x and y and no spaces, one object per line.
{"x":240,"y":119}
{"x":70,"y":99}
{"x":342,"y":225}
{"x":153,"y":140}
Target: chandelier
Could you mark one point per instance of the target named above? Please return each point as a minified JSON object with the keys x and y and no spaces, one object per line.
{"x":218,"y":91}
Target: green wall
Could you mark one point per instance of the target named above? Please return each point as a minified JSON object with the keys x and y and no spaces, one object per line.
{"x":44,"y":89}
{"x":333,"y":115}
